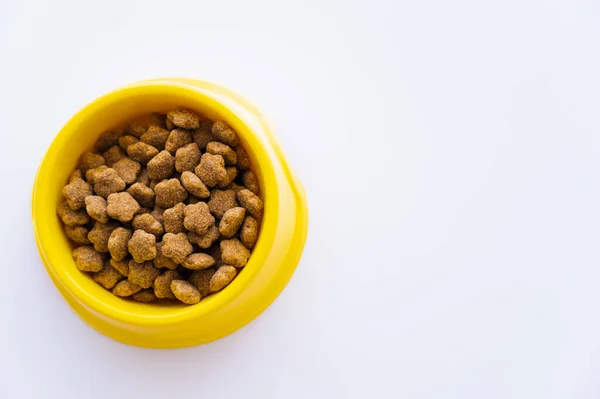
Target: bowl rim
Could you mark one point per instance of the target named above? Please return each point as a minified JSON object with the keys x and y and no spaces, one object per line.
{"x":259,"y":149}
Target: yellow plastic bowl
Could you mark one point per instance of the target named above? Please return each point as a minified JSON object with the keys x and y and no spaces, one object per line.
{"x":273,"y":260}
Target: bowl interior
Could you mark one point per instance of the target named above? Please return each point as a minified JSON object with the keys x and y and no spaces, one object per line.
{"x":109,"y":112}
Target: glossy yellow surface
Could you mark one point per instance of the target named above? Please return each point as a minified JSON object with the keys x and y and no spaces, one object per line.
{"x":273,"y":260}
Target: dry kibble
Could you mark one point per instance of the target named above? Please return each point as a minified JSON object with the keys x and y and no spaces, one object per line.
{"x":211,"y":169}
{"x":108,"y":277}
{"x":89,"y":161}
{"x":185,"y":292}
{"x":234,"y":253}
{"x":148,"y":223}
{"x":96,"y":208}
{"x":100,"y":234}
{"x":126,"y":288}
{"x":206,"y":240}
{"x":251,"y":182}
{"x":231,"y":221}
{"x":176,"y":247}
{"x":142,"y":274}
{"x":224,"y":133}
{"x":91,"y":174}
{"x":113,"y":155}
{"x":215,"y":252}
{"x":236,"y":187}
{"x":78,"y":234}
{"x":222,"y":278}
{"x":203,"y":135}
{"x":142,"y":194}
{"x":135,"y":129}
{"x":169,"y":193}
{"x":162,"y":284}
{"x":161,"y":166}
{"x":107,"y":182}
{"x":187,"y":157}
{"x":243,"y":160}
{"x":121,"y":265}
{"x":122,"y":206}
{"x":231,"y":175}
{"x":143,"y":210}
{"x":75,"y":193}
{"x":141,"y":152}
{"x":221,"y":201}
{"x":75,"y":175}
{"x":197,"y":218}
{"x":155,"y":136}
{"x":184,"y":118}
{"x":87,"y":259}
{"x":107,"y":140}
{"x":201,"y":280}
{"x":249,"y":232}
{"x":162,"y":261}
{"x":193,"y":199}
{"x":144,"y":296}
{"x":173,"y":219}
{"x":128,"y":169}
{"x":142,"y":246}
{"x":143,"y":177}
{"x":217,"y":148}
{"x":251,"y":202}
{"x":70,"y":217}
{"x":158,"y":214}
{"x":117,"y":243}
{"x":126,"y":141}
{"x":194,"y":185}
{"x":198,"y":261}
{"x":177,"y":139}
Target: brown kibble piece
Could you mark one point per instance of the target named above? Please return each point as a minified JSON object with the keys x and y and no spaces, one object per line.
{"x":184,"y":118}
{"x":144,"y":296}
{"x":251,"y":182}
{"x":162,"y":261}
{"x":135,"y":129}
{"x":117,"y":243}
{"x":126,"y":141}
{"x":143,"y":177}
{"x":96,"y":208}
{"x":142,"y":246}
{"x":87,"y":259}
{"x":91,"y":174}
{"x":75,"y":175}
{"x":121,"y":265}
{"x":161,"y":166}
{"x":122,"y":206}
{"x":197,"y":218}
{"x":89,"y":161}
{"x":113,"y":155}
{"x":198,"y":261}
{"x":222,"y":278}
{"x":251,"y":202}
{"x":187,"y":157}
{"x":249,"y":232}
{"x":162,"y":284}
{"x":142,"y":194}
{"x":155,"y":136}
{"x":169,"y":193}
{"x":128,"y":169}
{"x":231,"y":175}
{"x":78,"y":234}
{"x":236,"y":187}
{"x":107,"y":140}
{"x":176,"y":247}
{"x":71,"y":217}
{"x":142,"y":274}
{"x":221,"y":201}
{"x":234,"y":253}
{"x":177,"y":139}
{"x":194,"y":185}
{"x":107,"y":182}
{"x":126,"y":288}
{"x":158,"y":214}
{"x":148,"y":223}
{"x":100,"y":234}
{"x":206,"y":240}
{"x":201,"y":280}
{"x":224,"y":133}
{"x":185,"y":292}
{"x":108,"y":277}
{"x":203,"y":135}
{"x":193,"y":199}
{"x":141,"y":152}
{"x":243,"y":160}
{"x":211,"y":169}
{"x":215,"y":252}
{"x":231,"y":221}
{"x":75,"y":193}
{"x":217,"y":148}
{"x":173,"y":219}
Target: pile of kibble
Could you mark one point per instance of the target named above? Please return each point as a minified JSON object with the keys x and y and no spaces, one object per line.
{"x":169,"y":210}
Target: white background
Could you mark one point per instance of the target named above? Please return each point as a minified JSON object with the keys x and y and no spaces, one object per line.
{"x":451,"y":155}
